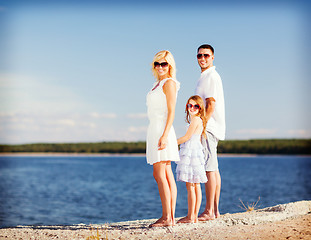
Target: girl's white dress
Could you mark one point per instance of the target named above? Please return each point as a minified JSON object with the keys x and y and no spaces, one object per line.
{"x":157,"y":114}
{"x":190,"y":168}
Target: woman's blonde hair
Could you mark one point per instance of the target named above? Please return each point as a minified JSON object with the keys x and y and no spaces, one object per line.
{"x":201,"y":113}
{"x":167,"y":55}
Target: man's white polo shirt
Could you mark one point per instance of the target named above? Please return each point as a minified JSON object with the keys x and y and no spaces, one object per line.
{"x":210,"y":85}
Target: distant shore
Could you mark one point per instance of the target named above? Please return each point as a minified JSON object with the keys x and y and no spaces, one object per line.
{"x":68,"y":154}
{"x":285,"y":221}
{"x":58,"y":154}
{"x":101,"y":154}
{"x":255,"y":146}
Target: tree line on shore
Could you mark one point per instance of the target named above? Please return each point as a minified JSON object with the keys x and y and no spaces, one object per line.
{"x":267,"y":146}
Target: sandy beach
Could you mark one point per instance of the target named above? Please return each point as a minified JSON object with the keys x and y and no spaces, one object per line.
{"x":285,"y":221}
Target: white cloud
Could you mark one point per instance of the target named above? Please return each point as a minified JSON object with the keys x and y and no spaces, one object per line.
{"x":300,"y":133}
{"x":259,"y":131}
{"x":268,"y":133}
{"x":137,"y":115}
{"x":133,"y":129}
{"x":252,"y":133}
{"x":63,"y":122}
{"x":103,"y":115}
{"x":89,"y":125}
{"x":27,"y":127}
{"x":36,"y":93}
{"x":30,"y":127}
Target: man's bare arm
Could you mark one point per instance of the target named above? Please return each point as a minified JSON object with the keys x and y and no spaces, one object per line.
{"x":210,"y":107}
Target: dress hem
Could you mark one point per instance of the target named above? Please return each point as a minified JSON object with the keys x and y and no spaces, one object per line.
{"x":164,"y":161}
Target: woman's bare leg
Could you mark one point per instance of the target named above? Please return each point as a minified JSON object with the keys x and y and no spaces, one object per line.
{"x":159,"y":173}
{"x":173,"y":189}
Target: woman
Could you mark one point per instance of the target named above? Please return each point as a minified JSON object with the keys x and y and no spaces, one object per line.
{"x":162,"y":145}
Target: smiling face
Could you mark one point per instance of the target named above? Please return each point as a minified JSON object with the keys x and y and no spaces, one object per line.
{"x":162,"y":69}
{"x":205,"y":58}
{"x":193,"y":108}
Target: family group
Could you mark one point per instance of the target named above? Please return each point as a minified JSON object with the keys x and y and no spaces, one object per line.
{"x":196,"y":158}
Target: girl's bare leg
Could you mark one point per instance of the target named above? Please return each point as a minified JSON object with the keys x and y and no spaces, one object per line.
{"x":190,"y":218}
{"x":159,"y":173}
{"x":198,"y":197}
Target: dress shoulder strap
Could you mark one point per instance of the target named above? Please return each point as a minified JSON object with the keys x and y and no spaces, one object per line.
{"x":164,"y":81}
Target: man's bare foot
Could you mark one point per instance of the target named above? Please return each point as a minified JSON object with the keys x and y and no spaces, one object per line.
{"x":206,"y":217}
{"x":161,"y":222}
{"x":186,"y":220}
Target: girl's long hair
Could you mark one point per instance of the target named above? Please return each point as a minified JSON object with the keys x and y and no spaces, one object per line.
{"x":201,"y":113}
{"x":167,"y":55}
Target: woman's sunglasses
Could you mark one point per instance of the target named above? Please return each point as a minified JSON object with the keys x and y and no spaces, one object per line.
{"x":203,"y":55}
{"x":162,"y":64}
{"x":196,"y":106}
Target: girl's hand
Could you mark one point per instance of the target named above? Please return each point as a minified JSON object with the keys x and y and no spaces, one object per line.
{"x":162,"y":143}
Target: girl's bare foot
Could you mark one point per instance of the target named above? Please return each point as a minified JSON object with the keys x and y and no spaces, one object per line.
{"x":161,"y":222}
{"x":186,"y":220}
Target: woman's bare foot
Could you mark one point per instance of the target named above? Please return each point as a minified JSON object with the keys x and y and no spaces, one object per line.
{"x":161,"y":222}
{"x":217,"y":215}
{"x":173,"y":222}
{"x":186,"y":220}
{"x":204,"y":216}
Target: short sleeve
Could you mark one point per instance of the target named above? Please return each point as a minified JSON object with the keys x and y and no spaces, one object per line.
{"x":206,"y":88}
{"x":210,"y":89}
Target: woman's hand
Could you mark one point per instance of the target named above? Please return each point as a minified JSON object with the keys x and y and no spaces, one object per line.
{"x":162,"y":143}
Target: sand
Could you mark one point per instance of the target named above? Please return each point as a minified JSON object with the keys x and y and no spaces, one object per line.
{"x":285,"y":221}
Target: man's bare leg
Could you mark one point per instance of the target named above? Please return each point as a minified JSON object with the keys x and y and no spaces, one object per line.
{"x":217,"y":195}
{"x":210,"y":189}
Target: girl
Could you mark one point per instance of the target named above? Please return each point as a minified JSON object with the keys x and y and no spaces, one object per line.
{"x":190,"y":168}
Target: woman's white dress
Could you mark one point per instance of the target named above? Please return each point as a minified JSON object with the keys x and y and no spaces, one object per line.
{"x":157,"y":114}
{"x":190,"y":168}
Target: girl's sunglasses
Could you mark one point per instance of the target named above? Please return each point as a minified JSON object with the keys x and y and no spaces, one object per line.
{"x":196,"y":106}
{"x":162,"y":64}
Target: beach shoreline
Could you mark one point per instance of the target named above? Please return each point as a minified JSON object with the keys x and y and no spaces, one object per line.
{"x":284,"y":221}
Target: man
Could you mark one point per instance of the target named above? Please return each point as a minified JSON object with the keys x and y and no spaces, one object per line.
{"x":209,"y":87}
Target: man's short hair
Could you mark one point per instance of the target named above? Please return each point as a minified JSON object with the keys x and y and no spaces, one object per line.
{"x":206,"y":46}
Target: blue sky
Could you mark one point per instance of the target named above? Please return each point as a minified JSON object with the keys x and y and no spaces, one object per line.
{"x":80,"y":72}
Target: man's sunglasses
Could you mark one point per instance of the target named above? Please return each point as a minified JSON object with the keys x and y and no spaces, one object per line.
{"x":196,"y":106}
{"x":203,"y":55}
{"x":162,"y":64}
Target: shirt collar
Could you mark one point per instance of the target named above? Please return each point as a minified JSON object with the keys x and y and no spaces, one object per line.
{"x":208,"y":70}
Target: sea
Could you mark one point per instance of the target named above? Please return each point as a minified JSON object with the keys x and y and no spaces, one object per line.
{"x":67,"y":190}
